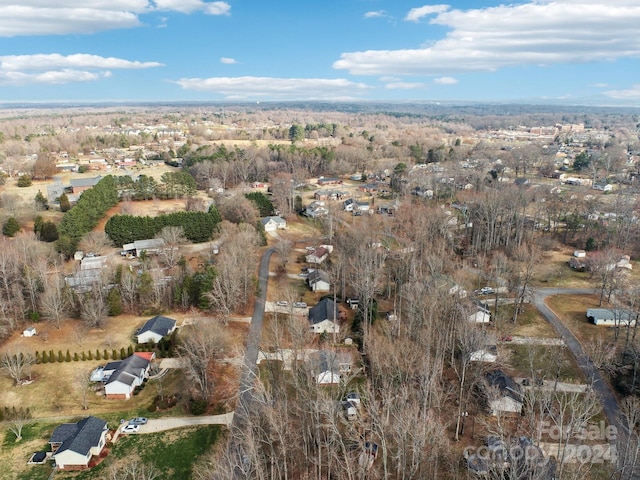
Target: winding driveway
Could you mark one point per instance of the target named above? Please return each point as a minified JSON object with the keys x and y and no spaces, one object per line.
{"x":600,"y":386}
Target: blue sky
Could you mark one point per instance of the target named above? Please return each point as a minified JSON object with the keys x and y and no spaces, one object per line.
{"x":335,"y":50}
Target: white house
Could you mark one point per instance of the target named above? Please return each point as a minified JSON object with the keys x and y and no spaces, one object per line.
{"x":324,"y":317}
{"x":128,"y":374}
{"x":328,"y":366}
{"x":273,"y":223}
{"x":611,"y":318}
{"x":318,"y":281}
{"x":362,"y":206}
{"x":319,"y":254}
{"x":483,"y":355}
{"x":603,"y":186}
{"x":73,"y":444}
{"x":29,"y":332}
{"x":316,"y":209}
{"x":347,"y":205}
{"x":155,"y":329}
{"x":481,"y":316}
{"x":504,"y":394}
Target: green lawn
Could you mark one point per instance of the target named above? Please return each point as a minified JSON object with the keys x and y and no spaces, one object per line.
{"x":173,"y":453}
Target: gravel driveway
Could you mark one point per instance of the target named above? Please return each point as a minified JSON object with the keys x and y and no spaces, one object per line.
{"x":161,"y":424}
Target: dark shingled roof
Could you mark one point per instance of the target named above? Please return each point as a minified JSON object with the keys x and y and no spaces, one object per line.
{"x":158,"y":324}
{"x":129,"y":369}
{"x":325,"y":310}
{"x":506,"y":384}
{"x":79,"y":437}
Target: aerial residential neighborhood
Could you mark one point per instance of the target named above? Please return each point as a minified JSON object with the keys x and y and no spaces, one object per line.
{"x":386,"y":298}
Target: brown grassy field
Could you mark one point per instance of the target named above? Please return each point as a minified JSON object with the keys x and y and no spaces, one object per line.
{"x":571,"y":309}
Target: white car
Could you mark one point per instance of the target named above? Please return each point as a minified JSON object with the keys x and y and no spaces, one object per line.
{"x":282,"y":303}
{"x":485,"y":291}
{"x":131,"y":429}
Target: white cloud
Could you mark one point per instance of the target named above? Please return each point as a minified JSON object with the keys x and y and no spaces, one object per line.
{"x":44,"y":17}
{"x":57,"y":69}
{"x":228,"y":61}
{"x":275,"y":88}
{"x":416,"y":14}
{"x":376,"y":14}
{"x":190,"y":6}
{"x":632,"y":93}
{"x":12,"y":78}
{"x":445,"y":81}
{"x":535,"y":33}
{"x":404,"y":85}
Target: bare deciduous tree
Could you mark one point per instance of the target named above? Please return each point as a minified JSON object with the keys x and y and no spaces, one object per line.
{"x":201,"y":345}
{"x":17,"y":364}
{"x":55,"y":302}
{"x":173,"y":238}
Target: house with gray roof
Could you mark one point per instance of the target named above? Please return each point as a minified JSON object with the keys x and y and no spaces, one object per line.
{"x":325,"y":317}
{"x":328,"y":366}
{"x":611,"y":317}
{"x":504,"y":394}
{"x":318,"y":281}
{"x":74,"y":444}
{"x":150,"y":246}
{"x":273,"y":223}
{"x":128,"y":374}
{"x":155,"y":329}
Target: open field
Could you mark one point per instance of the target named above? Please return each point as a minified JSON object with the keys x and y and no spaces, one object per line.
{"x":530,"y":324}
{"x":571,"y":309}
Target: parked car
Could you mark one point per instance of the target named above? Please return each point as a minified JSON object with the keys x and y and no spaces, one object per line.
{"x":485,"y":291}
{"x":138,"y":421}
{"x":303,"y":274}
{"x":131,"y":429}
{"x":300,"y":305}
{"x":282,"y":303}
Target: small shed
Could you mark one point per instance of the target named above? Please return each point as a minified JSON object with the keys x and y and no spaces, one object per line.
{"x":29,"y":332}
{"x":580,"y":254}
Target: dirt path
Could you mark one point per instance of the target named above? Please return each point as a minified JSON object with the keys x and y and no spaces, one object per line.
{"x":169,"y":423}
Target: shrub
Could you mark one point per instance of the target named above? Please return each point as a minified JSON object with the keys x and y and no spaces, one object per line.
{"x":24,"y":180}
{"x":44,"y":357}
{"x":197,"y":407}
{"x":123,"y":353}
{"x":114,"y":354}
{"x":60,"y":356}
{"x":98,"y":356}
{"x":75,"y":357}
{"x":84,"y":356}
{"x":67,"y":358}
{"x":152,"y":408}
{"x":52,"y":357}
{"x":10,"y":227}
{"x":105,"y":354}
{"x":89,"y":355}
{"x":38,"y":357}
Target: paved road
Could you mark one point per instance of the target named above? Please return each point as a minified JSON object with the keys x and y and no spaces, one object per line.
{"x":602,"y":389}
{"x":249,"y":368}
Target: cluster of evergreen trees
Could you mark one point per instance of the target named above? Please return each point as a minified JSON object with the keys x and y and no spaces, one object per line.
{"x":198,"y":226}
{"x":91,"y":207}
